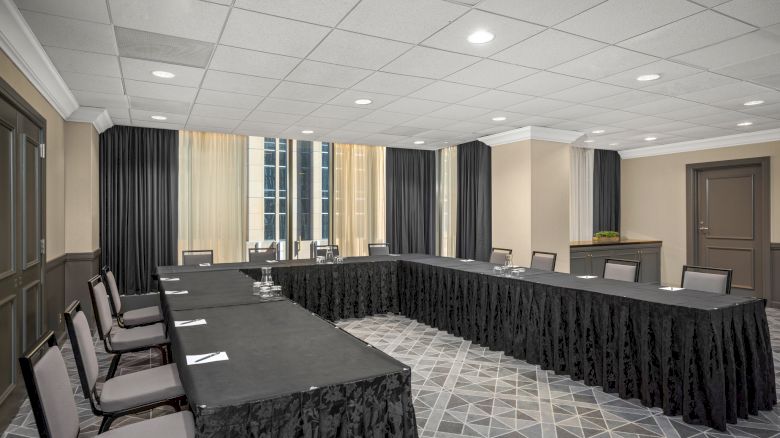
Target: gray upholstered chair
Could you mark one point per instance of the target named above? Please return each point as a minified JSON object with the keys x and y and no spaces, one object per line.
{"x":375,"y":249}
{"x":118,"y":340}
{"x":51,"y":399}
{"x":131,"y":318}
{"x":123,"y":395}
{"x":623,"y":270}
{"x":543,"y":260}
{"x":498,"y":255}
{"x":715,"y":280}
{"x":197,"y":257}
{"x":257,"y":255}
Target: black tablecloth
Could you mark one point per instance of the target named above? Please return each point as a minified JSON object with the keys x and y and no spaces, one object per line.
{"x":290,"y":374}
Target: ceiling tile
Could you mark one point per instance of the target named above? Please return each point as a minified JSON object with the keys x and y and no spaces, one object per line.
{"x":158,"y":125}
{"x":68,"y":33}
{"x":629,"y":98}
{"x":603,"y":63}
{"x":159,"y":91}
{"x":273,"y":117}
{"x":507,"y":32}
{"x":690,"y":33}
{"x":402,"y":20}
{"x":413,"y":106}
{"x":431,"y":63}
{"x":355,"y":50}
{"x":142,"y":70}
{"x":770,"y":110}
{"x":491,"y":74}
{"x":213,"y":122}
{"x":756,"y":12}
{"x":348,"y":98}
{"x":90,"y":10}
{"x":542,"y":83}
{"x":668,"y":70}
{"x":159,"y":105}
{"x":737,"y":103}
{"x":753,"y":70}
{"x":447,"y":92}
{"x":265,"y":33}
{"x":459,"y":112}
{"x":321,"y":122}
{"x":546,"y":12}
{"x":118,"y":113}
{"x":472,"y":127}
{"x":361,"y":126}
{"x":617,"y":20}
{"x":100,"y":100}
{"x":238,"y":83}
{"x":728,"y":91}
{"x":140,"y":115}
{"x":325,"y":12}
{"x":305,"y":92}
{"x":202,"y":110}
{"x":387,"y":117}
{"x":538,"y":106}
{"x":287,"y":106}
{"x":496,"y":99}
{"x":406,"y":131}
{"x":587,"y":92}
{"x":547,"y":49}
{"x":340,"y":112}
{"x":235,"y":60}
{"x":428,"y":122}
{"x":232,"y":100}
{"x":345,"y":136}
{"x":661,"y":106}
{"x":87,"y":82}
{"x":689,"y":84}
{"x":381,"y":139}
{"x":573,"y":112}
{"x":608,"y":118}
{"x":260,"y":129}
{"x":83,"y":62}
{"x":319,"y":73}
{"x":701,"y":132}
{"x":741,"y":49}
{"x":388,"y":83}
{"x":182,"y":18}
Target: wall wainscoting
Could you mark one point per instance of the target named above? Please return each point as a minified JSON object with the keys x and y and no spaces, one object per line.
{"x":66,"y":280}
{"x":773,"y":298}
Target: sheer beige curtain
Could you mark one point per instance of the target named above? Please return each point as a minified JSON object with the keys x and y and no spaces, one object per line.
{"x":446,"y":200}
{"x":358,"y":205}
{"x":213,"y":194}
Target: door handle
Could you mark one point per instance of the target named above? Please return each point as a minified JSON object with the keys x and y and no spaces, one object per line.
{"x":703,"y":228}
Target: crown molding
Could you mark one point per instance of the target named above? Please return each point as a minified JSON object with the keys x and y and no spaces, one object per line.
{"x":703,"y":144}
{"x":21,"y":45}
{"x":531,"y":133}
{"x":97,"y":116}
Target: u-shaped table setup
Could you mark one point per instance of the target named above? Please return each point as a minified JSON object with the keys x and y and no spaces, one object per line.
{"x":277,"y":367}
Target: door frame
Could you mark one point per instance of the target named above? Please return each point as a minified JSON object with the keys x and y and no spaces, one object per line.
{"x":691,"y":227}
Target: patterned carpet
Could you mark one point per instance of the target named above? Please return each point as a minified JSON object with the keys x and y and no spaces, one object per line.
{"x":464,"y":390}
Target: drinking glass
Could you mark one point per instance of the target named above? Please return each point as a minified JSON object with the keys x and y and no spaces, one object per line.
{"x":267,"y":280}
{"x":508,"y":260}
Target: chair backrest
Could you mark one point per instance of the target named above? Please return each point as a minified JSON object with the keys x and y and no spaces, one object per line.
{"x":48,"y":388}
{"x":378,"y":249}
{"x":623,"y":270}
{"x":197,"y":256}
{"x":83,"y":349}
{"x":322,"y":250}
{"x":543,"y":260}
{"x":498,"y":255}
{"x":262,"y":254}
{"x":715,"y":280}
{"x":100,"y":306}
{"x":113,"y":289}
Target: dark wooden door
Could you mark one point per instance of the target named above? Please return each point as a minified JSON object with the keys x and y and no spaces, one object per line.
{"x":21,"y":239}
{"x":729,"y":224}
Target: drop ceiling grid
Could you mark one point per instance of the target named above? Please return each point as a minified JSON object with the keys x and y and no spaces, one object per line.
{"x":452,"y":94}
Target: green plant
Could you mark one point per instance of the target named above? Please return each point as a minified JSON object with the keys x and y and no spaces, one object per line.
{"x":601,"y":234}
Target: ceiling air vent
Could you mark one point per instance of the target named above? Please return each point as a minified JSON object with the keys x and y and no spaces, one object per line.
{"x":162,"y":48}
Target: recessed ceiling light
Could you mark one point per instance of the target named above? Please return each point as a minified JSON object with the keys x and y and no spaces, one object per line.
{"x":649,"y":77}
{"x":589,"y":141}
{"x":163,"y":74}
{"x":307,"y":131}
{"x":159,"y":118}
{"x":598,"y":131}
{"x":419,"y":142}
{"x":363,"y":101}
{"x":650,"y":138}
{"x":481,"y":37}
{"x":499,"y":119}
{"x":753,"y":102}
{"x":744,"y":123}
{"x":614,"y":144}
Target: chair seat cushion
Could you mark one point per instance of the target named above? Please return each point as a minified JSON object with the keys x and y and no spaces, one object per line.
{"x":145,"y":336}
{"x":140,"y":388}
{"x":178,"y":425}
{"x":145,"y":315}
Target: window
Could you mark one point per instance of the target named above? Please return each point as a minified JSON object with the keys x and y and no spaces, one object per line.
{"x":325,"y":191}
{"x":267,"y":175}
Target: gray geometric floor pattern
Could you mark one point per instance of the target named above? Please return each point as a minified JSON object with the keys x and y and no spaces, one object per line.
{"x":462,"y":389}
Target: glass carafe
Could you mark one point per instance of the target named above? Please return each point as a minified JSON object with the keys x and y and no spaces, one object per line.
{"x":267,"y":280}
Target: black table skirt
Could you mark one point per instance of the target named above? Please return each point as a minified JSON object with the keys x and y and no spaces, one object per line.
{"x":710,"y":366}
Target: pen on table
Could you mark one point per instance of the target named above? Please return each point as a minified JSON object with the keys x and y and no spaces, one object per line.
{"x":208,"y":356}
{"x":187,"y":322}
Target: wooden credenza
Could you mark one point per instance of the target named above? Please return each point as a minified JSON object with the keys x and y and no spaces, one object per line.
{"x":588,"y":257}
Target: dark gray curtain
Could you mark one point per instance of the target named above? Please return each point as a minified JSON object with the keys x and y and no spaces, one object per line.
{"x":474,"y":236}
{"x":411,"y":201}
{"x":606,"y":191}
{"x":139,"y":197}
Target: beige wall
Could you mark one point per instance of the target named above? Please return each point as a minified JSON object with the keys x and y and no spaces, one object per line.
{"x":653,"y":198}
{"x":55,"y":156}
{"x":530,"y":184}
{"x":81,"y":188}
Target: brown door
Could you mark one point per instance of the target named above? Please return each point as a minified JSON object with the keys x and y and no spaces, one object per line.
{"x":729,"y":223}
{"x":21,"y":244}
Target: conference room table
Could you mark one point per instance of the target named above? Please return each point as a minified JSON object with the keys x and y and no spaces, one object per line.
{"x":704,"y":356}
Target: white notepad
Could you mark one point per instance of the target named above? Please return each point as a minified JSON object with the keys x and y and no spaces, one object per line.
{"x":188,"y":323}
{"x":467,"y":260}
{"x":587,"y":276}
{"x":204,"y":264}
{"x":176,"y":292}
{"x":197,"y":359}
{"x":671,"y":288}
{"x":169,"y":279}
{"x":272,"y":261}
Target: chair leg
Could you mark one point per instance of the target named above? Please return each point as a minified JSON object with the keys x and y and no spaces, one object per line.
{"x":114,"y":364}
{"x":105,"y":424}
{"x":164,"y":355}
